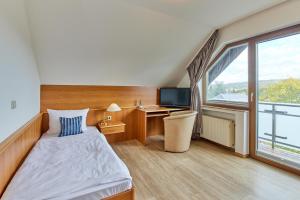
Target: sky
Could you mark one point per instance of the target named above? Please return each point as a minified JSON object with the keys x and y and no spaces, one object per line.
{"x":277,"y":59}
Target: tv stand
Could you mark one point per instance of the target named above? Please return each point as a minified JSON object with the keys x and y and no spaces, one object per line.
{"x":150,"y":121}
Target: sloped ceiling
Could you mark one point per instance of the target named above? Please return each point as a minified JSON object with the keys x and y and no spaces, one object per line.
{"x":126,"y":42}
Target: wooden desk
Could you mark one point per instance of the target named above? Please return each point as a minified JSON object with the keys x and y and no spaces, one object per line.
{"x":150,"y":121}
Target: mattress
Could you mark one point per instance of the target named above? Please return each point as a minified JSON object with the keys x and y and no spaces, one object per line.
{"x":75,"y":167}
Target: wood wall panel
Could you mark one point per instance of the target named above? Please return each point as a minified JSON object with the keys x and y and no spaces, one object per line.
{"x":98,"y":98}
{"x":95,"y":97}
{"x":14,"y":149}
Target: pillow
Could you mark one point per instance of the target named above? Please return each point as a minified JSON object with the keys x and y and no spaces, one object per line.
{"x":70,"y":126}
{"x":54,"y":115}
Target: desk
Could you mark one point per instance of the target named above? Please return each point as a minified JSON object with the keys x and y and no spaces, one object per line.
{"x":150,"y":121}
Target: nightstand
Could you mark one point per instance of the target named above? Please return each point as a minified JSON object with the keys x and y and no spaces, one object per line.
{"x":112,"y":131}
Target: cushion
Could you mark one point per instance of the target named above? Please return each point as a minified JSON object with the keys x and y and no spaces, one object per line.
{"x":70,"y":126}
{"x":54,"y":115}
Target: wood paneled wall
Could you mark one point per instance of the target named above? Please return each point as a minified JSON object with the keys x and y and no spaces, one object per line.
{"x":94,"y":97}
{"x":98,"y":98}
{"x":14,"y":149}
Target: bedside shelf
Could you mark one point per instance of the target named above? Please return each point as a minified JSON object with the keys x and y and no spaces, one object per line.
{"x":113,"y":131}
{"x":112,"y":128}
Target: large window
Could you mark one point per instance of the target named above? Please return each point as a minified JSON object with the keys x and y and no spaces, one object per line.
{"x":227,"y":78}
{"x":278,"y":99}
{"x":274,"y":89}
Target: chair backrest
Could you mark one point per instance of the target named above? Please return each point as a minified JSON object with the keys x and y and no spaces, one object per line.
{"x":178,"y":131}
{"x":181,"y":114}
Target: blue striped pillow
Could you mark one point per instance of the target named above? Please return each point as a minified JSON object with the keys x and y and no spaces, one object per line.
{"x":70,"y":126}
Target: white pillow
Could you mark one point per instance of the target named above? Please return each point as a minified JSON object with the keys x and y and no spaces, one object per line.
{"x":54,"y":115}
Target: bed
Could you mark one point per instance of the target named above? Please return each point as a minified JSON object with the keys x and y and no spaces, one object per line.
{"x":77,"y":167}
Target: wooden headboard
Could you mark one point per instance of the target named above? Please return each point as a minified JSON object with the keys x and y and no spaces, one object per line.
{"x":15,"y":148}
{"x":95,"y":97}
{"x":98,"y":98}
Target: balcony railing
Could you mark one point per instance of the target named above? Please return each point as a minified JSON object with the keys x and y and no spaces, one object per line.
{"x":273,"y":110}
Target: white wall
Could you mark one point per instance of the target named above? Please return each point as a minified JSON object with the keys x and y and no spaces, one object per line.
{"x":280,"y":16}
{"x":185,"y":81}
{"x":19,"y":78}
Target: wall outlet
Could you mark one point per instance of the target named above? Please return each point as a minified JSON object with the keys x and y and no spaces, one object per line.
{"x":13,"y":104}
{"x":108,"y":118}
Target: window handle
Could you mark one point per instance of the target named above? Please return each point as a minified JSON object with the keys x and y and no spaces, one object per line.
{"x":251,"y":96}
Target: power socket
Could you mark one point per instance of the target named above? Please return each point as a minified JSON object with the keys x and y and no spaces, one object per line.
{"x":108,"y":118}
{"x":13,"y":104}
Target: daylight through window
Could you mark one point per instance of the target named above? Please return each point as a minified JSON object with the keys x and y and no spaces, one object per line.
{"x":227,"y":79}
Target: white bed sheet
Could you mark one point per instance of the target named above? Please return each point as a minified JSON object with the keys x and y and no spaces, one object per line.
{"x":79,"y":167}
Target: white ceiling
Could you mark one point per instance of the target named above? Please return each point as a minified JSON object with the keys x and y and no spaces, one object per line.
{"x":126,"y":42}
{"x":214,"y":13}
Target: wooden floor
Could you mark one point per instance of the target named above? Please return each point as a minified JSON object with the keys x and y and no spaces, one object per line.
{"x":204,"y":172}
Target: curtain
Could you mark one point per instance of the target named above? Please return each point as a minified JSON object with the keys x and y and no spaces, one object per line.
{"x":224,"y":62}
{"x":196,"y":70}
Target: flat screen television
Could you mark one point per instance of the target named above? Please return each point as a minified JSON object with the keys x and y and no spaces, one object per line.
{"x":175,"y":97}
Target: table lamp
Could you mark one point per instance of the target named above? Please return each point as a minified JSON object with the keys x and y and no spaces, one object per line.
{"x":111,"y":108}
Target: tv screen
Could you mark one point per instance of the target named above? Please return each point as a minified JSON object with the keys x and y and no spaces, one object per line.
{"x":177,"y":97}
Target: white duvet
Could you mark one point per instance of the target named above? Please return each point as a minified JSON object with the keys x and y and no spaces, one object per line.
{"x":67,"y":167}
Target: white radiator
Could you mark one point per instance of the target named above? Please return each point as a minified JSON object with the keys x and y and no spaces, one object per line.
{"x":218,"y":130}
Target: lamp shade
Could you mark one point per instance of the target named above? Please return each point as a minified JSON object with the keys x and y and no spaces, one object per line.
{"x":113,"y":108}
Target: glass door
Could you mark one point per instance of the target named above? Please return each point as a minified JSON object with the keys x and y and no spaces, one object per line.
{"x":278,"y":100}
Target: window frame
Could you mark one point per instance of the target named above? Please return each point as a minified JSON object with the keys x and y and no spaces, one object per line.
{"x":225,"y":104}
{"x":276,"y":34}
{"x":252,"y":72}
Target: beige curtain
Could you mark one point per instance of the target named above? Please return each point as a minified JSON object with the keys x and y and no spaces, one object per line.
{"x":196,"y":70}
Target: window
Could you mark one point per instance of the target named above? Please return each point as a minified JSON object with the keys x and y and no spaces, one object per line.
{"x":274,"y":87}
{"x":278,"y":99}
{"x":227,"y":78}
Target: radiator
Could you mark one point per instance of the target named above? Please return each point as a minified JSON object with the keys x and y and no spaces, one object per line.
{"x":218,"y":130}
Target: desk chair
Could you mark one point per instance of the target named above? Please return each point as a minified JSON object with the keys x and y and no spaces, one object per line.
{"x":178,"y":130}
